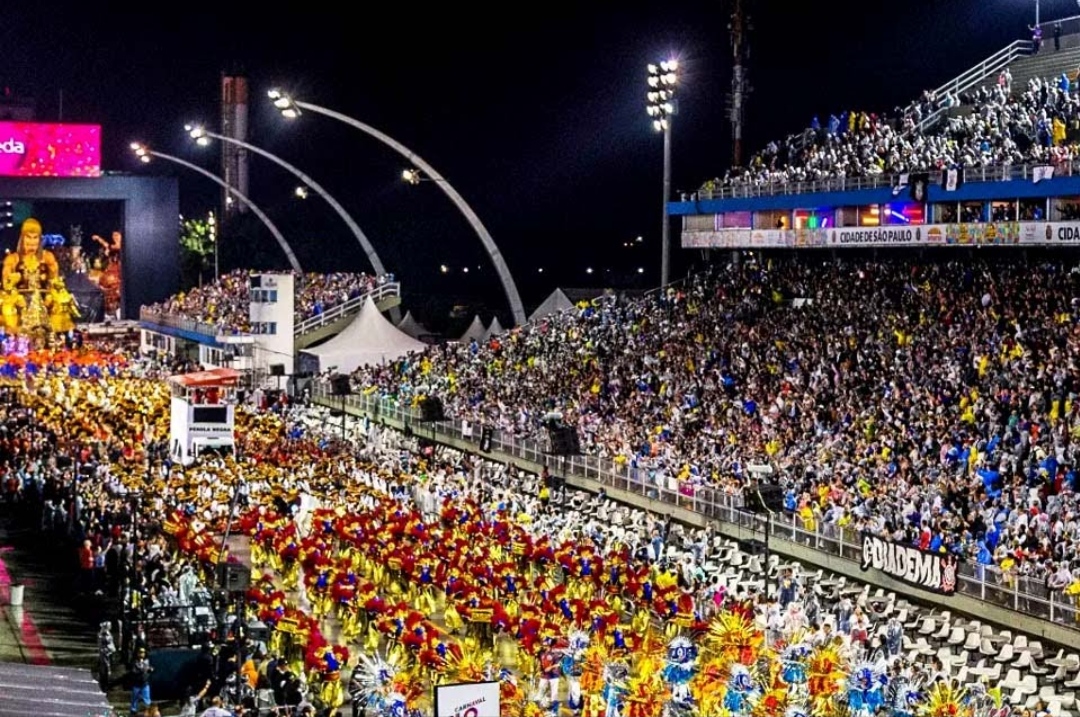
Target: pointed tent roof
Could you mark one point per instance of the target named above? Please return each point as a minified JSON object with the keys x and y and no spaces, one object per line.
{"x":412,"y":327}
{"x":369,"y":339}
{"x":556,"y":301}
{"x":494,"y":329}
{"x":476,"y":331}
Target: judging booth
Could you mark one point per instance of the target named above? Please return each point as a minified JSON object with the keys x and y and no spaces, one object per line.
{"x":203,"y":413}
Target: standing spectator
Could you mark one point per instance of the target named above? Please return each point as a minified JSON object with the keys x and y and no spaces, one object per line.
{"x":1057,"y":36}
{"x":215,"y":709}
{"x":1036,"y":39}
{"x":86,"y":566}
{"x":140,"y":681}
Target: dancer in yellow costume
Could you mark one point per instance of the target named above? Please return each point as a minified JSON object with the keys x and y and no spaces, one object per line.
{"x":63,"y":309}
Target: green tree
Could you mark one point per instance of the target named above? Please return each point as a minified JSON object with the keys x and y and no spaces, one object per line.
{"x":197,"y":238}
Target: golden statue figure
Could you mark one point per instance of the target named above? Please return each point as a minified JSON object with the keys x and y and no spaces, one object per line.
{"x":31,"y":270}
{"x":63,"y":309}
{"x":12,"y":305}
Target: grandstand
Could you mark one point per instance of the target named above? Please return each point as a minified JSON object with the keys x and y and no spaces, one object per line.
{"x":216,"y":324}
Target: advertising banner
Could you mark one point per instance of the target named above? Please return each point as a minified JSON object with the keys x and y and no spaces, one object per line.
{"x":960,"y":234}
{"x":1056,"y":233}
{"x":472,"y":699}
{"x":929,"y":571}
{"x":44,"y":149}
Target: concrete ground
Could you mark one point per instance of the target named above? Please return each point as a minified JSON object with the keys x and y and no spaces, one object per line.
{"x":56,"y":624}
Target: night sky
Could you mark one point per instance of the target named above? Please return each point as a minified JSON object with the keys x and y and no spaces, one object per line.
{"x":535,"y":112}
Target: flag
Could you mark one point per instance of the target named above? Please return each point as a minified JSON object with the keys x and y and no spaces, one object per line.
{"x":1041,"y":172}
{"x":951,"y":179}
{"x":919,"y":184}
{"x":901,"y":184}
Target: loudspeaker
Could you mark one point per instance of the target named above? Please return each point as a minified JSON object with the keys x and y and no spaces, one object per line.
{"x":234,"y":577}
{"x":431,"y":409}
{"x":763,"y":498}
{"x":563,"y":441}
{"x":340,"y":385}
{"x":487,"y":435}
{"x":277,"y":369}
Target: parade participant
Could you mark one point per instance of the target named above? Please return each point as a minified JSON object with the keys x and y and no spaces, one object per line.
{"x":616,"y":687}
{"x":547,"y":693}
{"x":573,"y":664}
{"x":865,"y":686}
{"x":679,"y":669}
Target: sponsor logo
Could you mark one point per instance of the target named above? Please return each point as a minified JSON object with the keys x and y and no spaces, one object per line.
{"x":12,"y":146}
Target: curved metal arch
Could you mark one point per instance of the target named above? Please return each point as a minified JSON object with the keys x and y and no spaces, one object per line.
{"x":369,"y":250}
{"x":512,"y":295}
{"x":293,"y":261}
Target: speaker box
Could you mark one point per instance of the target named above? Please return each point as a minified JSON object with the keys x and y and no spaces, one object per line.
{"x":431,"y":409}
{"x":277,"y":369}
{"x":340,"y":385}
{"x":234,"y":577}
{"x":564,"y":441}
{"x":763,"y":498}
{"x":487,"y":435}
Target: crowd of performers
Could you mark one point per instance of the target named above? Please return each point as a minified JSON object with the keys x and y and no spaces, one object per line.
{"x":372,"y":592}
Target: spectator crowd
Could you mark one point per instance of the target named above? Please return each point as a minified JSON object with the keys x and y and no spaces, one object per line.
{"x":991,"y":126}
{"x":934,"y":404}
{"x":226,"y":302}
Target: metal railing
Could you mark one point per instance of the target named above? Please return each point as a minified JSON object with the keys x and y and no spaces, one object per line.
{"x":336,"y":312}
{"x":990,"y":67}
{"x":204,"y":328}
{"x":178,"y":321}
{"x":982,"y":582}
{"x":998,"y":173}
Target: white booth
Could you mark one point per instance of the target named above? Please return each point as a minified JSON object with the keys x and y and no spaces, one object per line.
{"x":203,"y":413}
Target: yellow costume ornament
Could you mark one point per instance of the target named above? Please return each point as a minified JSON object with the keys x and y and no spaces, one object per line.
{"x":825,"y":679}
{"x":733,"y":637}
{"x":63,"y":309}
{"x":12,"y":305}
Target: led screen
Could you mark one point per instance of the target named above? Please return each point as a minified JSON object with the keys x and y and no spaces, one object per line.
{"x":42,"y":149}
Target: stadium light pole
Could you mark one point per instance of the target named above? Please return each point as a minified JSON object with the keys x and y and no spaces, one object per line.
{"x":144,"y":154}
{"x":202,"y":136}
{"x":662,"y":80}
{"x":291,"y":109}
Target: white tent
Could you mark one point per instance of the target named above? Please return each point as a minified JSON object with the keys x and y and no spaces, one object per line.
{"x":412,"y":327}
{"x":369,"y":339}
{"x":495,"y":329}
{"x":476,"y":331}
{"x":556,"y":301}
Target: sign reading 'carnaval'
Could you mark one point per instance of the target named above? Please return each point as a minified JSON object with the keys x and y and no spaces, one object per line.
{"x":930,"y":571}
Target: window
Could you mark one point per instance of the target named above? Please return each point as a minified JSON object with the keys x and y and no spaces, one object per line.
{"x":264,"y":296}
{"x":210,"y":414}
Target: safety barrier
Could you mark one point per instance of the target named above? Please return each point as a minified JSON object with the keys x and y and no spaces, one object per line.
{"x":987,"y":583}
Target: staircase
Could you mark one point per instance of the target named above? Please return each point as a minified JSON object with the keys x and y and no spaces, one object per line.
{"x":317,"y":328}
{"x":984,"y":73}
{"x":1046,"y":64}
